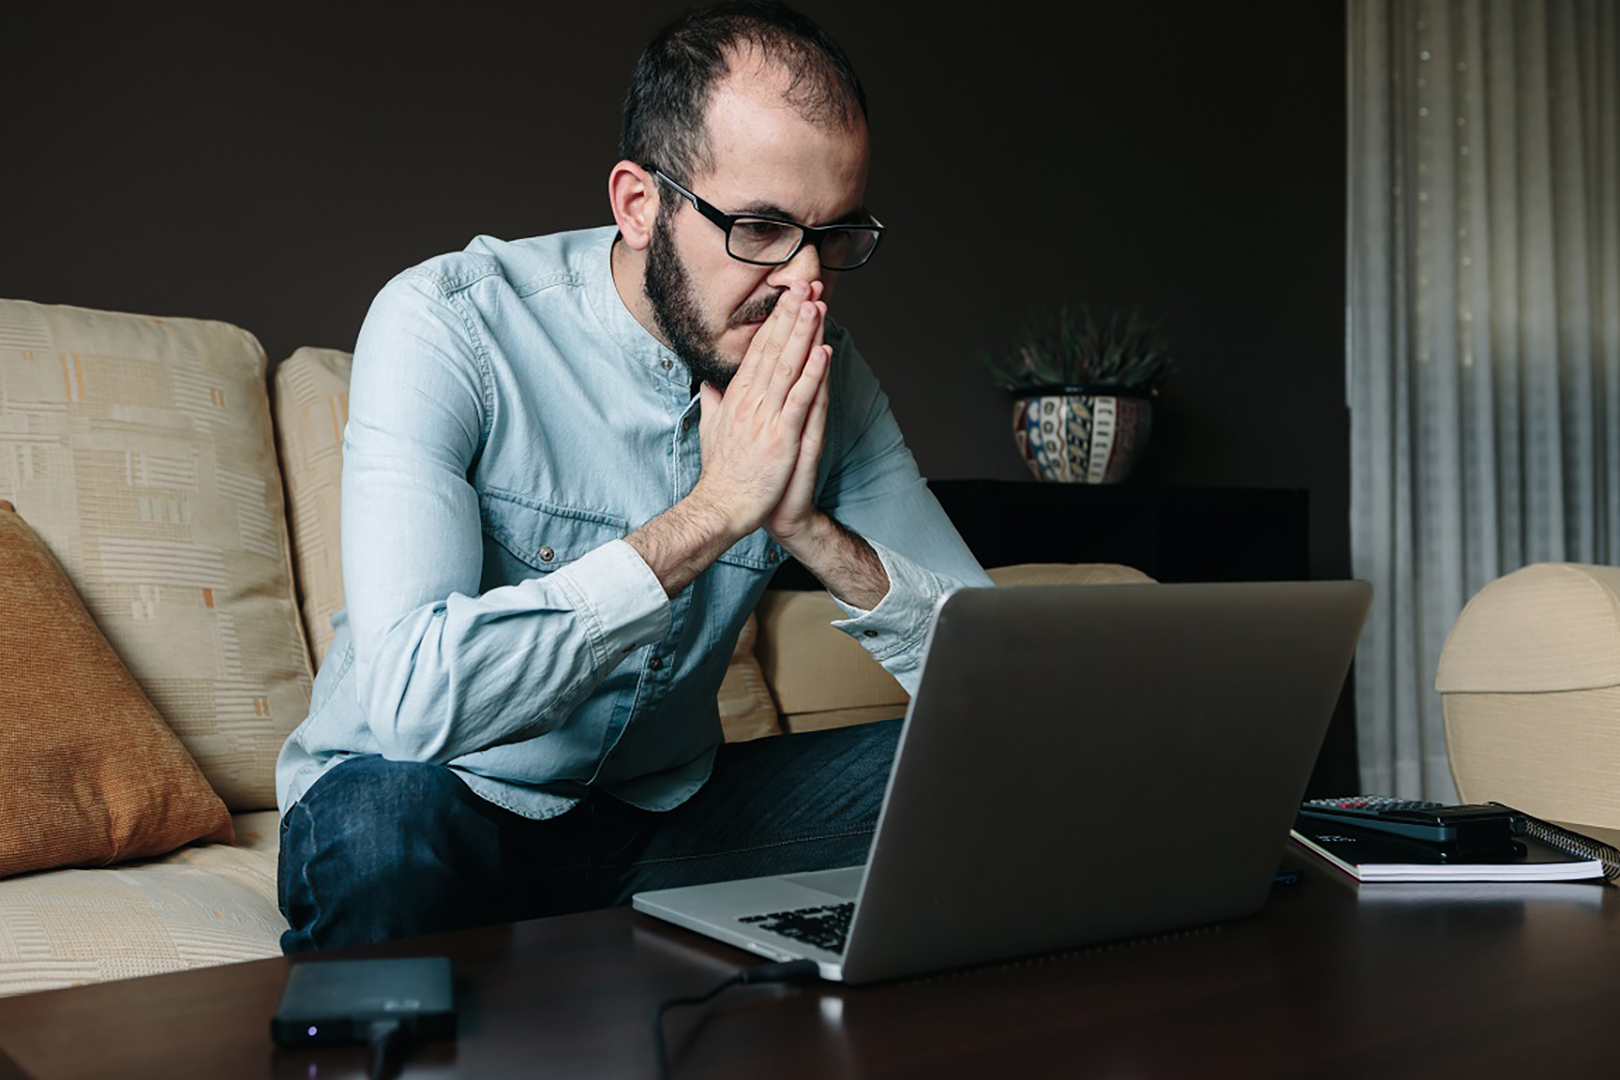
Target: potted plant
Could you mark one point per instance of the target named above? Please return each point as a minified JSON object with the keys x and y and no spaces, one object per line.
{"x":1083,"y":385}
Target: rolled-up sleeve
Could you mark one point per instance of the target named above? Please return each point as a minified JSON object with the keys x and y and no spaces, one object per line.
{"x":442,"y":669}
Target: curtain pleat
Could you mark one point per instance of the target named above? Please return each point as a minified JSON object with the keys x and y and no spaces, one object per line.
{"x":1482,"y":326}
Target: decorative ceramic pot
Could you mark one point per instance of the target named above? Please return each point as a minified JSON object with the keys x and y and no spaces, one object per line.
{"x":1081,"y":434}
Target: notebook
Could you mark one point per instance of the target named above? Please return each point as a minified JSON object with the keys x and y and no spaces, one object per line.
{"x":1080,"y":763}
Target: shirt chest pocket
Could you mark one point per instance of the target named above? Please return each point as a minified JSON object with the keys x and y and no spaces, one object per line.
{"x":530,"y":536}
{"x":756,"y":551}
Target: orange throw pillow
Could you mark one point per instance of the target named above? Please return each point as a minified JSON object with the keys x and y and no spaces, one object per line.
{"x":89,"y":772}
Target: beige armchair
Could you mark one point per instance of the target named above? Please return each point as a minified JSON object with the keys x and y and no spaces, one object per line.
{"x":1530,"y":686}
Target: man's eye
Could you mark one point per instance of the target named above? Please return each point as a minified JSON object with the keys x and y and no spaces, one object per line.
{"x":761,"y":232}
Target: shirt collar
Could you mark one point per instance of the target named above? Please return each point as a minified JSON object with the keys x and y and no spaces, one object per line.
{"x":629,"y":335}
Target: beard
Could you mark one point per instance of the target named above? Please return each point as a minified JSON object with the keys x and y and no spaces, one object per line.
{"x":675,"y":309}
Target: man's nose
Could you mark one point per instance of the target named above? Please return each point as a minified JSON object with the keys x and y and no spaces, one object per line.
{"x":804,"y":266}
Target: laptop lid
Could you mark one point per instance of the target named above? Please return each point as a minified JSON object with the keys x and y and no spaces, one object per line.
{"x":1084,"y":763}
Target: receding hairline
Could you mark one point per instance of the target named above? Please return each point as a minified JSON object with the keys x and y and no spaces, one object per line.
{"x":802,"y":87}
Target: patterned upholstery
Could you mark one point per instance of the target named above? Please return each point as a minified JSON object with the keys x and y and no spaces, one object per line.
{"x":312,"y":407}
{"x":201,"y":905}
{"x":140,"y":451}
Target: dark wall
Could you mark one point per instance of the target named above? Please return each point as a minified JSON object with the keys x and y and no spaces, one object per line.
{"x":272,"y":165}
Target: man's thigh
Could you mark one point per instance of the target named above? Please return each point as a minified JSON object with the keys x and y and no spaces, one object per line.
{"x":781,"y":804}
{"x":381,"y":849}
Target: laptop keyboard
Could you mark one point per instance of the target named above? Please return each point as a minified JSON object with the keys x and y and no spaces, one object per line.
{"x":825,"y":927}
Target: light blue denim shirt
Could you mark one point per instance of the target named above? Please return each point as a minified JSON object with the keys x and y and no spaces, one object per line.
{"x":509,"y":423}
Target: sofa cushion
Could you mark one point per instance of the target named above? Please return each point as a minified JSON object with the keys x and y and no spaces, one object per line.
{"x":92,"y":774}
{"x":747,"y":709}
{"x":195,"y":907}
{"x":140,"y":450}
{"x":821,"y":677}
{"x":1067,"y":574}
{"x":312,"y":405}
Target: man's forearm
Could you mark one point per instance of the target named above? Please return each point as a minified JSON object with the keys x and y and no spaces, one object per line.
{"x":841,"y":560}
{"x":682,"y":542}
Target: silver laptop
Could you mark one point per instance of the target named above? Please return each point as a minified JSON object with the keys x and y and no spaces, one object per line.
{"x":1079,"y":764}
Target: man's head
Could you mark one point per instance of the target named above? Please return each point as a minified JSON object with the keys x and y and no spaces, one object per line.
{"x":749,"y":108}
{"x":666,"y":110}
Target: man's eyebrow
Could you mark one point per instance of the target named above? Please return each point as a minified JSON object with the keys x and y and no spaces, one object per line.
{"x":858,"y":216}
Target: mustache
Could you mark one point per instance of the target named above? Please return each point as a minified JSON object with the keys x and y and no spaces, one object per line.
{"x":755,"y":310}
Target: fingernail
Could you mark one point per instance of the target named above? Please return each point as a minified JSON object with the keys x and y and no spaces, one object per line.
{"x":800,"y":289}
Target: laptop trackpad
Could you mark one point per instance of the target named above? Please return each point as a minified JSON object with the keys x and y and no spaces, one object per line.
{"x":844,"y":882}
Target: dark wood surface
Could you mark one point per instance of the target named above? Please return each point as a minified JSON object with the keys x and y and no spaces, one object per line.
{"x":1330,"y":979}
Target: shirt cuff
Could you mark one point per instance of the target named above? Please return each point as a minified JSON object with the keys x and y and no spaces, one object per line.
{"x":620,"y":601}
{"x":896,"y":631}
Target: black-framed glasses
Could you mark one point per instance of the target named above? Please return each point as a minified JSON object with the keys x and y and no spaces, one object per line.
{"x":768,"y":241}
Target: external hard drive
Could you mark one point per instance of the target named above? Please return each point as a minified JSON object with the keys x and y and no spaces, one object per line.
{"x":338,"y":1001}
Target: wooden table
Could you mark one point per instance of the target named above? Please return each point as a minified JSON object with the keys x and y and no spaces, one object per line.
{"x":1328,"y":980}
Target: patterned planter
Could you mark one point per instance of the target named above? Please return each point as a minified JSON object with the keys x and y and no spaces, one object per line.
{"x":1081,"y":434}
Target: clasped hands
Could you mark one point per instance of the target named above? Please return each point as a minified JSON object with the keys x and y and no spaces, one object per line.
{"x":763,"y":435}
{"x":761,"y":442}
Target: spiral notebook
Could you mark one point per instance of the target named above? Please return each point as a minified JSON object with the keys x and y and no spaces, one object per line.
{"x":1079,"y":764}
{"x":1547,"y":852}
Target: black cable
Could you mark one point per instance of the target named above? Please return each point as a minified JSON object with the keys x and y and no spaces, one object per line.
{"x":383,"y":1035}
{"x":794,"y":972}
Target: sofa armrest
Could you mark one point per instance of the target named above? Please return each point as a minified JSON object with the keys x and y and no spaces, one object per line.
{"x":1530,"y":688}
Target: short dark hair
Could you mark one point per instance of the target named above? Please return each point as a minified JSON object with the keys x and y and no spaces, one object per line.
{"x":665,"y":109}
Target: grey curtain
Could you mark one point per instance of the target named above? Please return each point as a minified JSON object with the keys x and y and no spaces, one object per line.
{"x":1483,"y":328}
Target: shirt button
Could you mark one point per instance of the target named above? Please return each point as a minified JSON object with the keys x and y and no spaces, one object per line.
{"x":870,"y":633}
{"x":656,"y":664}
{"x":547,"y":554}
{"x":770,"y":557}
{"x":686,"y":425}
{"x":666,"y":363}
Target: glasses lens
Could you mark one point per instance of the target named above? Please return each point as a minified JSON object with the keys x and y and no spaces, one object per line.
{"x":845,"y":249}
{"x":762,"y":240}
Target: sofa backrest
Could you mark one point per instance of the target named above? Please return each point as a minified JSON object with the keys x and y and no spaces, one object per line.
{"x":1529,"y":682}
{"x":311,"y":404}
{"x":140,"y":450}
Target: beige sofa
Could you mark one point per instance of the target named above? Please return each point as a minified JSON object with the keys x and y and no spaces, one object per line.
{"x":194,"y":514}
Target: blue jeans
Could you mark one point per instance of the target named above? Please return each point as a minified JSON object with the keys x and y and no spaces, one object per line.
{"x":381,"y":849}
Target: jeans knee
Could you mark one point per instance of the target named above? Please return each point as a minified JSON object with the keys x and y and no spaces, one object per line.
{"x":374,"y":848}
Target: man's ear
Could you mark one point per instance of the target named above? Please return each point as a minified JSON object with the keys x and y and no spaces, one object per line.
{"x":633,"y":193}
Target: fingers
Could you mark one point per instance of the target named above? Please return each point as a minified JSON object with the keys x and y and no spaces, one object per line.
{"x":803,"y":340}
{"x":796,"y":509}
{"x":810,"y":380}
{"x":771,"y":337}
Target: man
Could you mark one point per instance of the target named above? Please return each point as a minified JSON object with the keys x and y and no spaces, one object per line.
{"x":571,"y":466}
